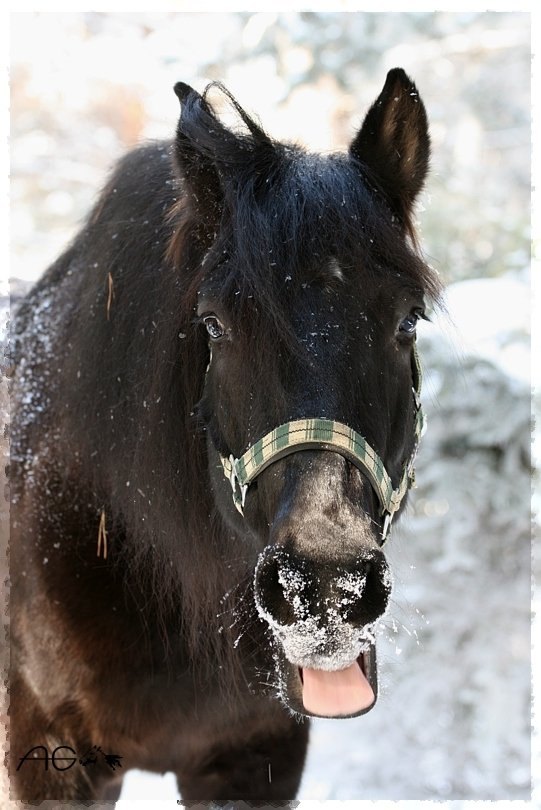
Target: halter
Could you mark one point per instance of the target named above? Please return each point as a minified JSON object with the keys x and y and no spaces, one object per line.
{"x":326,"y":434}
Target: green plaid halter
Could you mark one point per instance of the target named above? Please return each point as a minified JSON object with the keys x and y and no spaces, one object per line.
{"x":326,"y":434}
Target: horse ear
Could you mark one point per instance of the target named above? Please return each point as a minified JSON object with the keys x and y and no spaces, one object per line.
{"x":195,"y":165}
{"x":209,"y":155}
{"x":394,"y":145}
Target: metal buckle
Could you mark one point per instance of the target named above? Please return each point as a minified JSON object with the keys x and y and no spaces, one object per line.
{"x":239,"y":490}
{"x":387,"y":526}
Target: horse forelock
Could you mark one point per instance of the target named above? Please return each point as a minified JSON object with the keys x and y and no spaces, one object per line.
{"x":290,"y":218}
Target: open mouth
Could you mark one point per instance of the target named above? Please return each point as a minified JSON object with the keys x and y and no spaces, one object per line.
{"x":348,"y":692}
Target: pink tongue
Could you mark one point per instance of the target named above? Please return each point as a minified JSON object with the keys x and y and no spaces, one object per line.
{"x":334,"y":694}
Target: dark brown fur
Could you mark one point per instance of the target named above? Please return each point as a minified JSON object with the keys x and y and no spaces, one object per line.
{"x":155,"y":652}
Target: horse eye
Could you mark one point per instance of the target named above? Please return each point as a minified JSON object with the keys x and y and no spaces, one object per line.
{"x":409,"y":324}
{"x":215,"y":328}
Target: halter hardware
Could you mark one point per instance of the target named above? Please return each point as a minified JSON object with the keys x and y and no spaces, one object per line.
{"x":326,"y":434}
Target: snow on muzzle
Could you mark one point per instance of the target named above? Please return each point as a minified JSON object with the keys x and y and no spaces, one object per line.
{"x":322,"y":618}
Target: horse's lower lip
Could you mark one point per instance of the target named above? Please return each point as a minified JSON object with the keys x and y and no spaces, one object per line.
{"x":291,"y":691}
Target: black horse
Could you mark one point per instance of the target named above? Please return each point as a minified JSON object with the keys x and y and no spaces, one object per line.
{"x":213,"y":425}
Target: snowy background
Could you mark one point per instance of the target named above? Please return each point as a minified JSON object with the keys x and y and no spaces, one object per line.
{"x":453,"y":720}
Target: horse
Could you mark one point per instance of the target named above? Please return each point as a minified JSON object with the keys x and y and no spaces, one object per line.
{"x":214,"y":423}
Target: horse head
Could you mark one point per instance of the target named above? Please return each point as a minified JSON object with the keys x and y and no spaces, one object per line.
{"x":308,"y":297}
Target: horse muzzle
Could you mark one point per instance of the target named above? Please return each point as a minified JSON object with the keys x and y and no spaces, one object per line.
{"x":321,"y":618}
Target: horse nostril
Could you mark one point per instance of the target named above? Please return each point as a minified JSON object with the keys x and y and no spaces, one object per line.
{"x":366,"y":594}
{"x":287,"y":595}
{"x":273,"y":598}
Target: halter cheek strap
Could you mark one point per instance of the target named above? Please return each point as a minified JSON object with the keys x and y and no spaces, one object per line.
{"x":326,"y":434}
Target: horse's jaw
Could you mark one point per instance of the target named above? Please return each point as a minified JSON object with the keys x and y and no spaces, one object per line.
{"x":326,"y":692}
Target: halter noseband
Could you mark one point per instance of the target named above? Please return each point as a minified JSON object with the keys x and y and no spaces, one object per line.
{"x":326,"y":434}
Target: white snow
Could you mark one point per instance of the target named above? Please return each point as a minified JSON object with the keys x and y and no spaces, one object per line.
{"x":148,"y":790}
{"x":491,"y":319}
{"x":316,"y":641}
